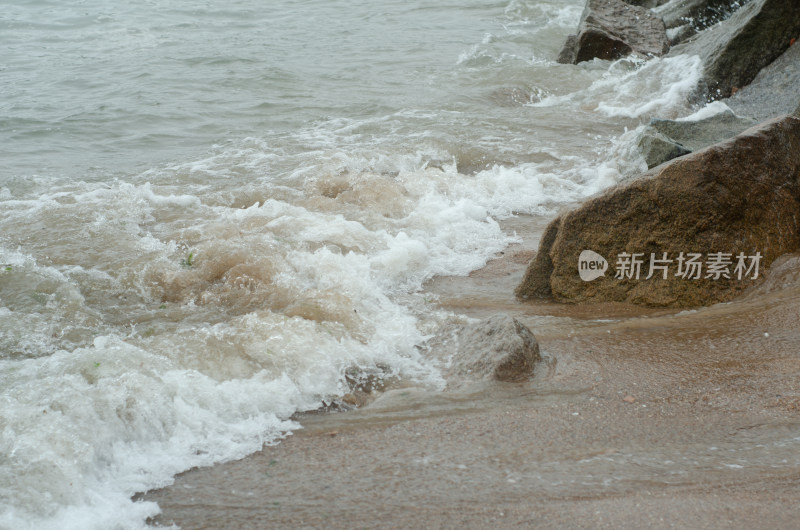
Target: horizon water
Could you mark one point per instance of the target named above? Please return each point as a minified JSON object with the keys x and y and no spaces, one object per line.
{"x":211,"y":214}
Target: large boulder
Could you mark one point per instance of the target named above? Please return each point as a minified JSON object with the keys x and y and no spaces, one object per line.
{"x":499,"y":348}
{"x":736,"y":49}
{"x":610,"y":29}
{"x":737,"y":198}
{"x":664,"y":140}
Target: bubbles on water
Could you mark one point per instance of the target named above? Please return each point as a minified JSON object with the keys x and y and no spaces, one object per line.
{"x":660,"y":86}
{"x":632,"y":88}
{"x":179,"y":316}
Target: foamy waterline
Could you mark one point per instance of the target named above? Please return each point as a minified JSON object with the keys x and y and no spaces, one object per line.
{"x":179,"y":316}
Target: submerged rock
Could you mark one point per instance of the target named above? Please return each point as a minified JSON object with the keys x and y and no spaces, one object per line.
{"x":697,"y":134}
{"x":610,"y":29}
{"x":783,"y":275}
{"x":664,"y":140}
{"x":500,"y":348}
{"x":735,"y":50}
{"x":738,"y":197}
{"x":658,"y":148}
{"x":512,"y":96}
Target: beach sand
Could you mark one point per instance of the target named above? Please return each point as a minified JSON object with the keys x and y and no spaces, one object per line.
{"x":640,"y":418}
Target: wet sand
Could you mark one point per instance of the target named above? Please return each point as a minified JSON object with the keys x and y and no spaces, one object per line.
{"x":640,"y":418}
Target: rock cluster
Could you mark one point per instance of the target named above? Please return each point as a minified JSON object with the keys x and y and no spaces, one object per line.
{"x":721,"y":201}
{"x":736,"y":49}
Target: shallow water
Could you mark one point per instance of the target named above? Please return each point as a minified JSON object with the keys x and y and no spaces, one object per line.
{"x":208,"y":214}
{"x":682,"y":419}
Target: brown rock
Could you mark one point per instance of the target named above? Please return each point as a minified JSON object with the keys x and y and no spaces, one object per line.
{"x":536,"y":282}
{"x":500,"y":348}
{"x":739,"y":196}
{"x":610,"y":29}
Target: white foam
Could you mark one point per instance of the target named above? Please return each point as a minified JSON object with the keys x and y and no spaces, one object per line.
{"x":544,"y":14}
{"x":171,"y":367}
{"x":712,"y":109}
{"x":112,"y":419}
{"x":179,"y":317}
{"x":126,"y":410}
{"x":659,"y":87}
{"x":637,"y":89}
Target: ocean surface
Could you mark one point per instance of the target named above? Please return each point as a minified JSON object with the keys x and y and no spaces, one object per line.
{"x":211,"y":212}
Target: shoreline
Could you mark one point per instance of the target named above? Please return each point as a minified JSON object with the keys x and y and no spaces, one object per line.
{"x":637,"y":417}
{"x":643,"y":417}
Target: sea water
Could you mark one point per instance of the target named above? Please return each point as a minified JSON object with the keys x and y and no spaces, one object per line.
{"x":212,"y":212}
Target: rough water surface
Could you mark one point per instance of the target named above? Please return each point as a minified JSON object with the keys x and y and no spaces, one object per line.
{"x":211,"y":214}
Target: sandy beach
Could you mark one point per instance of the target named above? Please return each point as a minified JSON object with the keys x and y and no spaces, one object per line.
{"x":402,"y":264}
{"x":638,"y":418}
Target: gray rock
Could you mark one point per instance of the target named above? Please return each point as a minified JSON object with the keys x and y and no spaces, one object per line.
{"x":664,"y":140}
{"x":697,"y":14}
{"x":649,"y":4}
{"x":784,"y":274}
{"x":680,"y":12}
{"x":680,"y":33}
{"x":657,"y":148}
{"x":499,"y":348}
{"x":695,"y":135}
{"x":610,"y":29}
{"x":569,"y":53}
{"x":774,"y":91}
{"x":736,"y":49}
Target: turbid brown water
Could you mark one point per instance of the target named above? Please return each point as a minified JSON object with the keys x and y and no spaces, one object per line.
{"x":640,"y":418}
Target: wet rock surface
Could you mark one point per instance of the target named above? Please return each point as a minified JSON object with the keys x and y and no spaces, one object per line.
{"x":738,"y":196}
{"x":500,"y":348}
{"x":610,"y":29}
{"x":695,"y":135}
{"x":687,"y":17}
{"x":658,"y":148}
{"x":664,"y":140}
{"x":784,"y":274}
{"x":735,"y":50}
{"x":646,"y":3}
{"x":774,"y":91}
